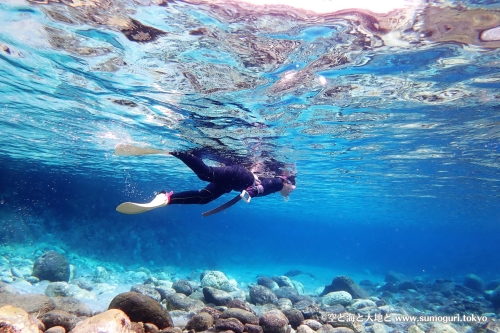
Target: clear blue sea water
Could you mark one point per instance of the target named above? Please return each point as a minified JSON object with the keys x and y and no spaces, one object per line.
{"x":394,"y":134}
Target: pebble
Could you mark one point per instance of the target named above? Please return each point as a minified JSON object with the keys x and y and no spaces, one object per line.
{"x":491,"y":35}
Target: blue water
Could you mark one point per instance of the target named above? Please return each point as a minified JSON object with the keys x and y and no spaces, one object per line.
{"x":397,"y":151}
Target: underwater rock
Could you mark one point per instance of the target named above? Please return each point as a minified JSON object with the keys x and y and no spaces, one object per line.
{"x":16,"y":272}
{"x":474,"y":282}
{"x":495,"y":297}
{"x":313,"y":324}
{"x":51,"y":266}
{"x":101,"y":274}
{"x":492,"y":285}
{"x":268,"y":307}
{"x":340,"y":322}
{"x":150,"y":328}
{"x":73,"y":306}
{"x":284,"y":304}
{"x":443,"y":286}
{"x":267,"y":282}
{"x":273,"y":321}
{"x":414,"y":329}
{"x":308,"y":308}
{"x":214,"y":312}
{"x":362,"y":303}
{"x":441,"y":328}
{"x":218,"y":280}
{"x":294,"y":316}
{"x":236,"y":303}
{"x":299,"y":287}
{"x":287,"y":292}
{"x":142,"y":308}
{"x":393,"y":277}
{"x":147,"y":291}
{"x":178,"y":301}
{"x":82,"y":283}
{"x":490,"y":35}
{"x":56,"y":289}
{"x":56,"y":329}
{"x":405,"y":285}
{"x":243,"y":316}
{"x":183,"y":287}
{"x":31,"y":303}
{"x":113,"y":320}
{"x":337,"y":297}
{"x":164,"y":291}
{"x":14,"y":319}
{"x":200,"y":322}
{"x":345,"y":283}
{"x":378,"y":328}
{"x":32,"y":279}
{"x":253,"y":328}
{"x":304,"y":329}
{"x":230,"y":324}
{"x":283,"y":281}
{"x":327,"y":328}
{"x":7,"y":288}
{"x":262,"y":295}
{"x":216,"y":296}
{"x":58,"y":318}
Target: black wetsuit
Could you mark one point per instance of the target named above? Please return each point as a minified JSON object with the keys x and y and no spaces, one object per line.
{"x":222,"y":180}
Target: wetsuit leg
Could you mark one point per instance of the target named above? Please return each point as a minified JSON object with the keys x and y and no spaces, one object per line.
{"x":233,"y":177}
{"x":209,"y":193}
{"x":202,"y":170}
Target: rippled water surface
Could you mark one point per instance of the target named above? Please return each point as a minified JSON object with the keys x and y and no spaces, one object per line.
{"x":389,"y":119}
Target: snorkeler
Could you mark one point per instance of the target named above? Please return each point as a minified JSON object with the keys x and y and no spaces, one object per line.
{"x":222,"y":180}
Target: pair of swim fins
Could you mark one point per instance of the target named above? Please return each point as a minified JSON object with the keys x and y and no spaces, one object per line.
{"x":161,"y":200}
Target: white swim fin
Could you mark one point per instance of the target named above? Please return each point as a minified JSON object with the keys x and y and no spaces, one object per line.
{"x":161,"y":200}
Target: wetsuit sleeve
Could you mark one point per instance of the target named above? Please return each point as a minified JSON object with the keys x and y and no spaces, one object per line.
{"x":270,"y":185}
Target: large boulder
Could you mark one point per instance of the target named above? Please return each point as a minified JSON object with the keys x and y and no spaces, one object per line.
{"x":142,"y":308}
{"x":200,"y":322}
{"x":345,"y":283}
{"x":113,"y":320}
{"x":262,"y":295}
{"x":243,"y":316}
{"x":51,"y":266}
{"x":216,"y":296}
{"x":273,"y":321}
{"x":474,"y":282}
{"x":31,"y":303}
{"x":495,"y":298}
{"x":14,"y":319}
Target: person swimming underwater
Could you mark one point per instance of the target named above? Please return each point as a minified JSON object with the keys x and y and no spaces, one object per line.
{"x":222,"y":180}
